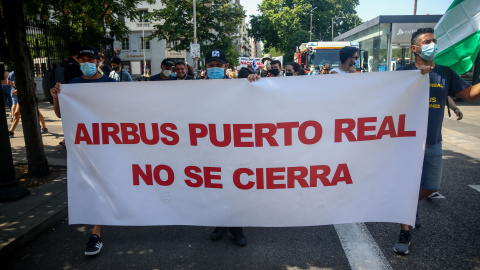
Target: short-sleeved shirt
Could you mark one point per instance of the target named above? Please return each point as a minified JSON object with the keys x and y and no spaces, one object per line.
{"x":439,"y":89}
{"x":83,"y":80}
{"x":159,"y":78}
{"x":11,"y":78}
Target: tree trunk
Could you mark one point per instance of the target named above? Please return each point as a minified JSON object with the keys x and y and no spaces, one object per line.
{"x":20,"y":55}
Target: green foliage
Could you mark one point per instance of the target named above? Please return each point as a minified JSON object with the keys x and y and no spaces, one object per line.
{"x":293,"y":41}
{"x":217,"y":25}
{"x":280,"y":19}
{"x":274,"y":52}
{"x":90,"y":16}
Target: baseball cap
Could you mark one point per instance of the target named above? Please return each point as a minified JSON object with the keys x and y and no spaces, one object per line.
{"x":89,"y":51}
{"x":216,"y":55}
{"x":167,"y":62}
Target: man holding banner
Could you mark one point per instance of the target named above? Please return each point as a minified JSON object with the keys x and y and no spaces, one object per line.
{"x":89,"y":60}
{"x":443,"y":82}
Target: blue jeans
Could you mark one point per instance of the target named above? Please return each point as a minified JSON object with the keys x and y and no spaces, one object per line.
{"x":432,"y":167}
{"x":7,"y":96}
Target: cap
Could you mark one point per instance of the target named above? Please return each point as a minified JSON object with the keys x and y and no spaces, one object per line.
{"x":267,"y":56}
{"x":89,"y":51}
{"x":216,"y":55}
{"x":116,"y":60}
{"x":167,"y":62}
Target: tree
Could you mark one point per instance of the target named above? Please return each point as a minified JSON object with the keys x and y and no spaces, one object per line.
{"x":280,"y":19}
{"x":217,"y":24}
{"x":293,"y":41}
{"x":94,"y":17}
{"x":17,"y":43}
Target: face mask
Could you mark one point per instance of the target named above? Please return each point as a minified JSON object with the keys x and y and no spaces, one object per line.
{"x":88,"y":69}
{"x":428,"y":51}
{"x":289,"y":74}
{"x":275,"y":72}
{"x":281,"y":72}
{"x":174,"y":74}
{"x":115,"y":68}
{"x":166,"y":73}
{"x":100,"y":64}
{"x":357,"y":63}
{"x":215,"y":73}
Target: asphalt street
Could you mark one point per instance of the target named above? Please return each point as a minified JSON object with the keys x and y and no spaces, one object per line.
{"x":448,"y":239}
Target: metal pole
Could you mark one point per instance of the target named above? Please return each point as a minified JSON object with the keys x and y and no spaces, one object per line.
{"x":332,"y":28}
{"x":311,"y":25}
{"x":143,"y":41}
{"x":195,"y":36}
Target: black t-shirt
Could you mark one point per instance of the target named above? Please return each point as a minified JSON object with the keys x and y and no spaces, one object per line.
{"x":71,"y":70}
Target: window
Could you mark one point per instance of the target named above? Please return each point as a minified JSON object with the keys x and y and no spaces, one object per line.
{"x":147,"y":43}
{"x":126,"y":44}
{"x":171,"y":44}
{"x":142,"y":13}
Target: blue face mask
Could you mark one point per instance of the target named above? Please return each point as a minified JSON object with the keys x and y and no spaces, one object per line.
{"x":357,"y":63}
{"x":215,"y":73}
{"x":429,"y":51}
{"x":88,"y":69}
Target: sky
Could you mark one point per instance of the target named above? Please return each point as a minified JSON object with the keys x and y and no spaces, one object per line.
{"x":369,"y":9}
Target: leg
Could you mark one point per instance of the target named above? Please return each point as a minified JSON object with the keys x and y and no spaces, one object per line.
{"x":16,"y":119}
{"x":430,"y":183}
{"x":42,"y":121}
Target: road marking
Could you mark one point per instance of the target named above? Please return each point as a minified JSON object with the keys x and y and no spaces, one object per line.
{"x":477,"y":187}
{"x":361,"y":249}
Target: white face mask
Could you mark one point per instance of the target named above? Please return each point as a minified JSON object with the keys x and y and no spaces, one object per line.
{"x":166,"y":73}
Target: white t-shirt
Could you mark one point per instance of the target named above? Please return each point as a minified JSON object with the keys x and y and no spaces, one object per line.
{"x":337,"y":70}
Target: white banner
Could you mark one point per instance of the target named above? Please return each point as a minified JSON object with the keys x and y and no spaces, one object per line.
{"x":290,"y":151}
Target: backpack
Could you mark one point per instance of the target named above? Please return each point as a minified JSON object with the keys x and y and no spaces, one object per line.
{"x":51,"y":77}
{"x":448,"y":71}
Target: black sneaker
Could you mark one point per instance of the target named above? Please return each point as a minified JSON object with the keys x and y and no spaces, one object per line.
{"x":403,"y":242}
{"x":218,"y":233}
{"x":94,"y":245}
{"x":239,"y":238}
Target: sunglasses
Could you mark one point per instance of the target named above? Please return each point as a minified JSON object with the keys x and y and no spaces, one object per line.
{"x":356,"y":57}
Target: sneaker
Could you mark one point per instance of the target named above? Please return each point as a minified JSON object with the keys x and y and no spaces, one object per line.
{"x":239,"y":238}
{"x":94,"y":245}
{"x":218,"y":233}
{"x":44,"y":130}
{"x":11,"y":134}
{"x":403,"y":242}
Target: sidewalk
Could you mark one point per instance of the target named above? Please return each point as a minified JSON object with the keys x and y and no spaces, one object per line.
{"x":24,"y":220}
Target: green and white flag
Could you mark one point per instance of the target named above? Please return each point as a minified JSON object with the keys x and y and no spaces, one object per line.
{"x":458,"y":35}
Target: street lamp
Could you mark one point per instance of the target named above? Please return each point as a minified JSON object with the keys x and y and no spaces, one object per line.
{"x":332,"y":23}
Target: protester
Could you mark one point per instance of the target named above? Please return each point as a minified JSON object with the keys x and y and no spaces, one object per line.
{"x":181,"y":70}
{"x":312,"y":70}
{"x":276,"y":69}
{"x":118,"y":73}
{"x":166,"y":73}
{"x":71,"y":66}
{"x":443,"y":81}
{"x":244,"y":73}
{"x":216,"y":65}
{"x":89,"y":60}
{"x":292,"y":69}
{"x":16,"y":107}
{"x":349,"y":60}
{"x":326,"y":68}
{"x":102,"y":67}
{"x":6,"y":88}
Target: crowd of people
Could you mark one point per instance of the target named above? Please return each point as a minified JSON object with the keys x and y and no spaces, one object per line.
{"x":87,"y":65}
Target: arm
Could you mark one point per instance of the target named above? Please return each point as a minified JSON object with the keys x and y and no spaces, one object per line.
{"x":456,"y":110}
{"x":129,"y":78}
{"x":470,"y":93}
{"x":56,"y":106}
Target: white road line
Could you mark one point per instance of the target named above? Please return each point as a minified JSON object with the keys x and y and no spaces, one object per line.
{"x":361,"y":249}
{"x":477,"y":187}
